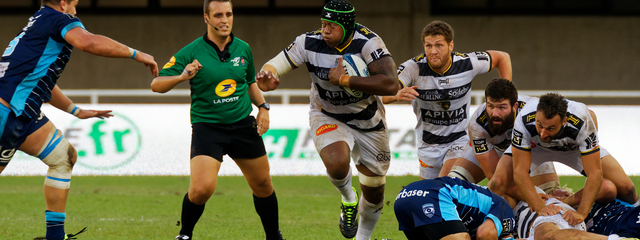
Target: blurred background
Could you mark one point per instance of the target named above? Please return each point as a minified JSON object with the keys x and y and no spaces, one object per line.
{"x":563,"y":45}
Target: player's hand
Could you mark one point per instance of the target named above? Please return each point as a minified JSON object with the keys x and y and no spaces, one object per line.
{"x":88,"y":113}
{"x":148,"y":61}
{"x":407,"y":94}
{"x":573,"y":217}
{"x":549,"y":210}
{"x":266,"y":81}
{"x":544,"y":197}
{"x":190,"y":70}
{"x":262,"y":121}
{"x":336,"y":72}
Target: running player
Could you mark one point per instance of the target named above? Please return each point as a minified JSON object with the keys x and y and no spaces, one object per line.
{"x":220,"y":70}
{"x":441,"y":79}
{"x":556,"y":129}
{"x":452,"y":208}
{"x":490,"y":133}
{"x":344,"y":125}
{"x":29,"y":70}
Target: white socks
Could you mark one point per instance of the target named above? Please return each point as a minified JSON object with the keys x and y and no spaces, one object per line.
{"x":344,"y":188}
{"x":369,"y":215}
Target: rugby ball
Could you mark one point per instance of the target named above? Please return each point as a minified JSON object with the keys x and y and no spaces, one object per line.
{"x":354,"y":66}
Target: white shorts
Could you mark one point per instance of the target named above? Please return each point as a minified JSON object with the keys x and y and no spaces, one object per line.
{"x":544,"y":168}
{"x":432,"y":156}
{"x":558,"y":220}
{"x":571,"y":159}
{"x":370,"y":149}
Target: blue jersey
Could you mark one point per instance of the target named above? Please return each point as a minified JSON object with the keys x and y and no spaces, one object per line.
{"x":451,"y":199}
{"x":614,"y":218}
{"x":31,"y":65}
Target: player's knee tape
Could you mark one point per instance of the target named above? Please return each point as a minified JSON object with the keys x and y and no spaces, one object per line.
{"x":376,"y":181}
{"x":461,"y":173}
{"x":57,"y":153}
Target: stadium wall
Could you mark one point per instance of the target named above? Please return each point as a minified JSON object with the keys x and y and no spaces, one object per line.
{"x":547,"y":52}
{"x":155,"y":140}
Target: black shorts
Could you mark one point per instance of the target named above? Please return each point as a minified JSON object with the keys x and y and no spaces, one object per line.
{"x":238,"y":140}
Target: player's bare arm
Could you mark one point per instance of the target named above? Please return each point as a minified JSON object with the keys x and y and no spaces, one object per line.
{"x":62,"y":102}
{"x":502,"y":61}
{"x":262,"y":119}
{"x":107,"y":47}
{"x":593,"y":170}
{"x":521,"y":165}
{"x":488,"y":162}
{"x":163,"y":84}
{"x":404,"y":94}
{"x":382,"y":79}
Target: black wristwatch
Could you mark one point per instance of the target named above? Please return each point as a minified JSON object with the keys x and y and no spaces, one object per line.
{"x":265,"y":106}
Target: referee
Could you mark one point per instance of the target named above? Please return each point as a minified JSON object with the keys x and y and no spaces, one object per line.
{"x":220,"y":70}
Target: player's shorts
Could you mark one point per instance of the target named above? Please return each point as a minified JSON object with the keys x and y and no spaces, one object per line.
{"x":572,"y":159}
{"x":433,"y":156}
{"x":423,"y":203}
{"x":14,"y":131}
{"x":239,"y":140}
{"x":556,"y":219}
{"x":368,"y":148}
{"x":544,"y":168}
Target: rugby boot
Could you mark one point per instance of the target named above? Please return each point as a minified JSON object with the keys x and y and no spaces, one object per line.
{"x":66,"y":237}
{"x":349,"y":218}
{"x":183,"y":237}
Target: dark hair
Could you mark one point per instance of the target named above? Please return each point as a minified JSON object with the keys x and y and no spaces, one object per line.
{"x":552,"y":104}
{"x":52,"y":2}
{"x":500,"y":89}
{"x":208,"y":2}
{"x":438,"y":27}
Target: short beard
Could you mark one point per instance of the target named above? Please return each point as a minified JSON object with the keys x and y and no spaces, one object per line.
{"x":506,"y":125}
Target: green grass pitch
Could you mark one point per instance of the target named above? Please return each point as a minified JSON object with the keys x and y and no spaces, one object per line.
{"x":148,"y":207}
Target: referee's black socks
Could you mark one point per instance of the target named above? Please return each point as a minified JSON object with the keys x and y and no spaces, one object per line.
{"x":191,"y":213}
{"x":267,"y":209}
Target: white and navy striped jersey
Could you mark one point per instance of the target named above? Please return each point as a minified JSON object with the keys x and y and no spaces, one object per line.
{"x":444,"y":100}
{"x":362,"y":113}
{"x":482,"y":139}
{"x":524,"y":216}
{"x":578,"y":134}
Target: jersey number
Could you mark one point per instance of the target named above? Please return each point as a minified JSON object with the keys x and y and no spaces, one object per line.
{"x":12,"y":45}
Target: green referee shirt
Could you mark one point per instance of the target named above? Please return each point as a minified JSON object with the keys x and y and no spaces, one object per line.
{"x":219,"y":91}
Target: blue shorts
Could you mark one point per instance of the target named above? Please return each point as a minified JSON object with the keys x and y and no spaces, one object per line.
{"x":14,"y":131}
{"x":445,"y":199}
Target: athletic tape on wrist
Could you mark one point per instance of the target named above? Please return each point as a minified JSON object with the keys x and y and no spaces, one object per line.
{"x":344,"y":80}
{"x":135,"y":52}
{"x":73,"y":109}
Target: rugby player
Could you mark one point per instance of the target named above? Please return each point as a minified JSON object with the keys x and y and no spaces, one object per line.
{"x":559,"y":130}
{"x":344,"y":125}
{"x":490,"y":134}
{"x":29,"y":70}
{"x":220,"y":70}
{"x":451,"y":208}
{"x":438,"y":84}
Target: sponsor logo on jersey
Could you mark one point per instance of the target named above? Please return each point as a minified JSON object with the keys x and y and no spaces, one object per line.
{"x":424,"y":165}
{"x":400,"y":69}
{"x":444,"y":118}
{"x":326,"y":128}
{"x":508,"y":225}
{"x":236,"y":61}
{"x":445,"y":105}
{"x":377,"y":54}
{"x":483,"y":118}
{"x":482,"y":56}
{"x":480,"y":145}
{"x":411,"y":193}
{"x":574,"y":120}
{"x":338,"y":98}
{"x":443,"y":82}
{"x":531,"y":117}
{"x":517,"y":138}
{"x":428,"y":210}
{"x":592,"y":141}
{"x":226,"y":88}
{"x":290,"y":46}
{"x":171,"y":62}
{"x":444,"y":94}
{"x":6,"y":155}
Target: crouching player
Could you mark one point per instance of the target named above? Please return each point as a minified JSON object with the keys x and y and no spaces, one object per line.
{"x":450,"y":208}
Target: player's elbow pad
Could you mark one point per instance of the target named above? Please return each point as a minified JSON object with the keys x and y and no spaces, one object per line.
{"x":279,"y":64}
